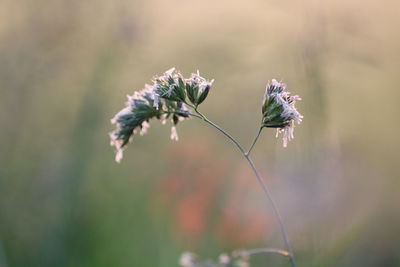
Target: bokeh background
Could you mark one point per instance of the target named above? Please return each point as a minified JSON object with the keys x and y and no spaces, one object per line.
{"x":66,"y":67}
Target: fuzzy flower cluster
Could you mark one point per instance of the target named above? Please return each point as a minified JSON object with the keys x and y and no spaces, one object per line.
{"x":166,"y":98}
{"x":279,"y":110}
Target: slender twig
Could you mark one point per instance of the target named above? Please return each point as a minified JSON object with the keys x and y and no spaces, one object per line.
{"x":262,"y":183}
{"x":222,"y":131}
{"x":275,"y":209}
{"x":266,"y":250}
{"x":254,"y":142}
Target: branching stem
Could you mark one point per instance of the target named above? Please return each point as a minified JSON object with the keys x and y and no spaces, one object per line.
{"x":260,"y":180}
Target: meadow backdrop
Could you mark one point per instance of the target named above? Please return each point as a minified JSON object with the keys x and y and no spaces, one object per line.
{"x":67,"y":66}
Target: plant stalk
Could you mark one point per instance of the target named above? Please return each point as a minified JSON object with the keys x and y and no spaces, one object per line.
{"x":266,"y":250}
{"x":260,"y":180}
{"x":254,"y":142}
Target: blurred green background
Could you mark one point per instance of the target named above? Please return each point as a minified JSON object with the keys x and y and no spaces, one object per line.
{"x":66,"y":66}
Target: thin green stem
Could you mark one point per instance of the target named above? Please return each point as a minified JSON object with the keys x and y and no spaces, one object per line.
{"x":266,"y":250}
{"x":222,"y":131}
{"x":261,"y":181}
{"x":254,"y":142}
{"x":275,"y":209}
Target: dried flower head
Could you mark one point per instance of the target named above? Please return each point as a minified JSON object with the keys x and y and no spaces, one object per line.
{"x":197,"y":88}
{"x":279,"y":110}
{"x":166,"y":98}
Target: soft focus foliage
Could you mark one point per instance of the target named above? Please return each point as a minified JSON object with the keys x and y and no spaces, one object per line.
{"x":67,"y":65}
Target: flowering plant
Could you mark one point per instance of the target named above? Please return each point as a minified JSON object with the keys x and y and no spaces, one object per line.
{"x":166,"y":98}
{"x":171,"y":96}
{"x":279,"y":111}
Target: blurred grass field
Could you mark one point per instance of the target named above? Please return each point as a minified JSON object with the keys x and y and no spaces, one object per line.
{"x":66,"y":67}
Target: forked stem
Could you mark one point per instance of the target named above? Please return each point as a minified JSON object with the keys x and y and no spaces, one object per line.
{"x":260,"y":180}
